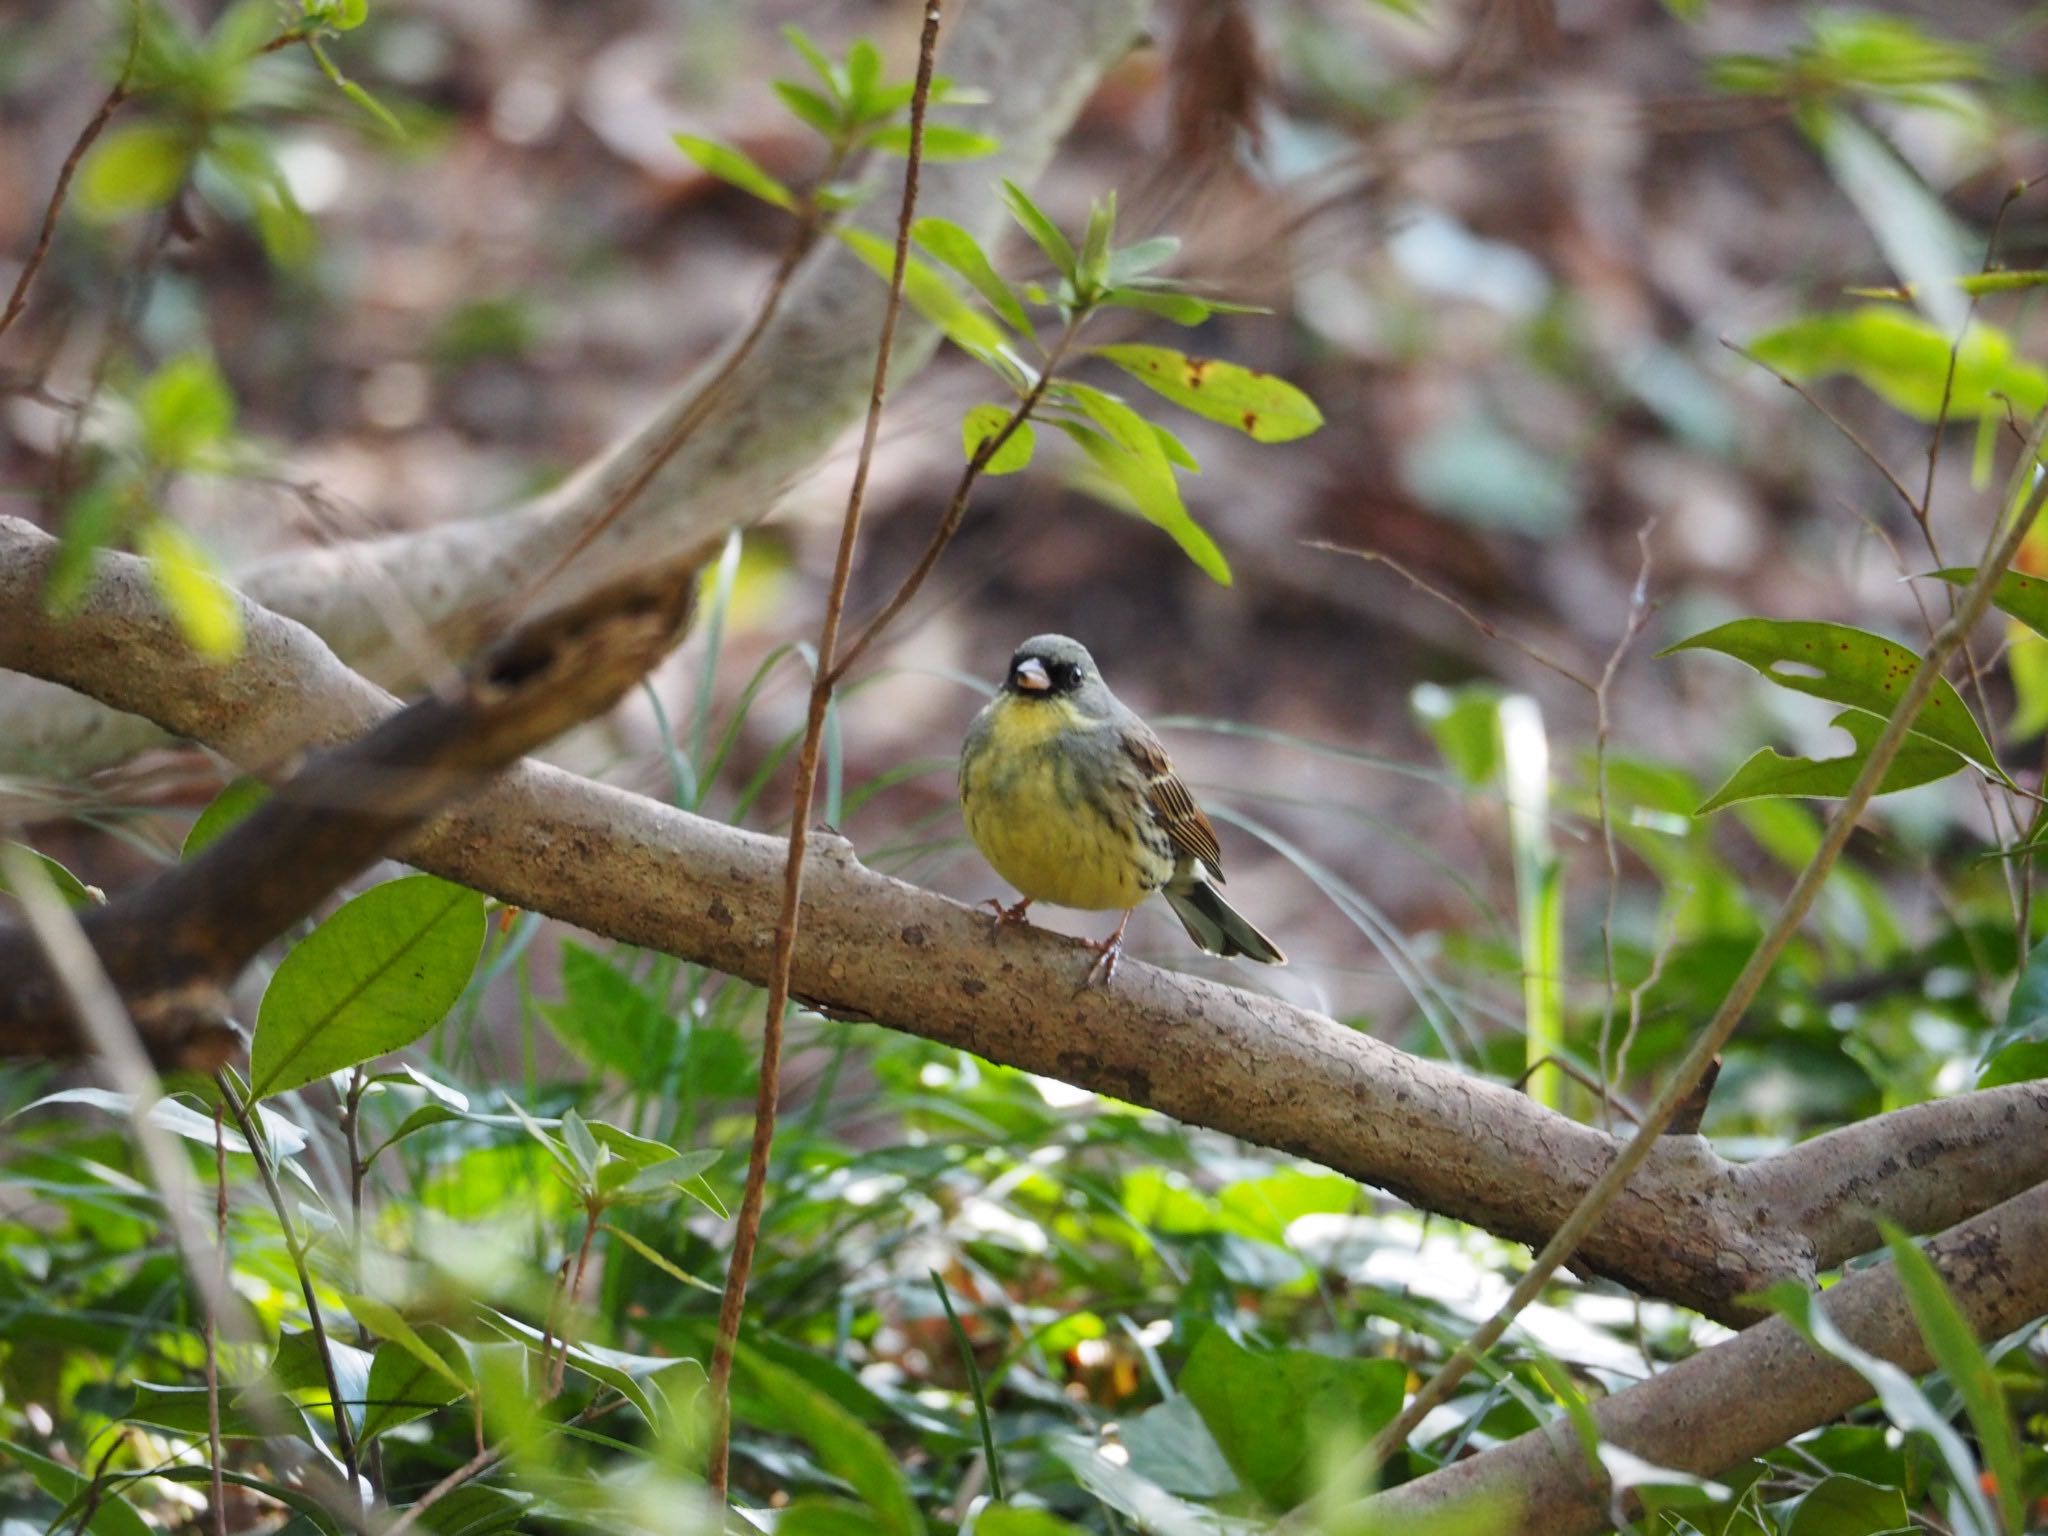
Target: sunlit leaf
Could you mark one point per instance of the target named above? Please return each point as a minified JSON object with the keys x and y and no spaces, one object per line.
{"x":1904,"y":359}
{"x":1128,"y":454}
{"x":929,"y":293}
{"x":1268,"y":409}
{"x":134,"y":166}
{"x":983,"y":423}
{"x":203,"y":605}
{"x":810,"y":107}
{"x":1058,"y":249}
{"x":2022,"y":596}
{"x":1768,"y":774}
{"x":1846,"y":666}
{"x":186,"y":409}
{"x":959,"y":250}
{"x":373,"y":978}
{"x":731,"y":165}
{"x":942,"y":141}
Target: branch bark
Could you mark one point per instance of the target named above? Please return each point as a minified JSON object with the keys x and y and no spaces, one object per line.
{"x":1691,"y":1227}
{"x":804,"y":382}
{"x":1707,"y":1414}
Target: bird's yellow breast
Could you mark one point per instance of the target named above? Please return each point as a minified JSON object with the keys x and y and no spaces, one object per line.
{"x":1046,"y":804}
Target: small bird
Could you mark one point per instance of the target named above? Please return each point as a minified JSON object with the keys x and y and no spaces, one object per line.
{"x":1072,"y":799}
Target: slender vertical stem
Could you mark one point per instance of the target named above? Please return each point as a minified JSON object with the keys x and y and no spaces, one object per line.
{"x":218,"y":1491}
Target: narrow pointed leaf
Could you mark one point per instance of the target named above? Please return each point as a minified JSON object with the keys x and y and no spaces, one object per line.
{"x":942,"y":141}
{"x":930,"y":294}
{"x":963,"y":253}
{"x":2018,"y":594}
{"x":1144,"y":481}
{"x":730,"y":165}
{"x":1265,"y":408}
{"x":810,"y":107}
{"x":1058,"y":249}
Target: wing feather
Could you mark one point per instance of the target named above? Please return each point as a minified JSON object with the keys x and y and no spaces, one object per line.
{"x":1171,"y":804}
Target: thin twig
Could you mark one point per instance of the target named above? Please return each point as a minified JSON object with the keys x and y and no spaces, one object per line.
{"x":1976,"y":602}
{"x":46,"y":232}
{"x":1484,"y":626}
{"x":220,"y":1281}
{"x":1639,"y":610}
{"x":247,"y":1119}
{"x":747,"y":1230}
{"x":1855,"y":438}
{"x":476,"y":1466}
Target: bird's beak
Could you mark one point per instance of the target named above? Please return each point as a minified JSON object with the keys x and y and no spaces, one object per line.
{"x":1030,"y":676}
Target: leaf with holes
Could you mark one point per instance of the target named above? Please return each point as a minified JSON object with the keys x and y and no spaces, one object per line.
{"x":373,"y":978}
{"x":1771,"y":775}
{"x":1847,"y":666}
{"x":1264,"y":408}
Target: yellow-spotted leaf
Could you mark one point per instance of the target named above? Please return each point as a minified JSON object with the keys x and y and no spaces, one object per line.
{"x":1265,"y":408}
{"x":1770,"y":775}
{"x":983,"y":423}
{"x":203,"y":605}
{"x":730,"y":165}
{"x":1847,"y":666}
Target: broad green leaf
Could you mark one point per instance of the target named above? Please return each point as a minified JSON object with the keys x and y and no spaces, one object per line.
{"x":183,"y":573}
{"x":114,"y":1516}
{"x":1840,"y":1505}
{"x":942,"y":141}
{"x":963,"y":253}
{"x":403,"y":1387}
{"x":134,"y":166}
{"x":929,"y":293}
{"x":1143,"y":480}
{"x":1769,"y":774}
{"x":1905,"y":360}
{"x":224,"y":810}
{"x":297,"y":1366}
{"x":186,"y":410}
{"x":1170,"y":1445}
{"x":844,"y":1445}
{"x":373,"y":978}
{"x":1009,"y":1520}
{"x":1897,"y":1393}
{"x":69,"y":886}
{"x":730,"y":165}
{"x":1954,"y":1346}
{"x":605,"y":1018}
{"x":1265,"y":408}
{"x":386,"y":1323}
{"x":1058,"y":249}
{"x":2018,"y":594}
{"x":1149,"y":1507}
{"x":983,"y":423}
{"x":2017,"y":1051}
{"x":184,"y":1411}
{"x":1847,"y":666}
{"x":1269,"y":1410}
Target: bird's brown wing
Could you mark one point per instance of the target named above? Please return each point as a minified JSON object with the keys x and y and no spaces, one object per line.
{"x":1186,"y":827}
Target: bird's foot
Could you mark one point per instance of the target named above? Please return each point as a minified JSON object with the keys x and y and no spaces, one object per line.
{"x":1107,"y":952}
{"x":1005,"y":916}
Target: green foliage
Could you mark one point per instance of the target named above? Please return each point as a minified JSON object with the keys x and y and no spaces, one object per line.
{"x":1905,"y":360}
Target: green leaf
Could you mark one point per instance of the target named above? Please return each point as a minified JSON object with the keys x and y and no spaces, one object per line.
{"x":1265,"y":408}
{"x":1847,"y":666}
{"x":1770,"y":775}
{"x":844,"y":1445}
{"x":2018,"y":594}
{"x":1137,"y":260}
{"x":930,"y":294}
{"x":183,"y":574}
{"x":241,"y":796}
{"x":1840,"y":1505}
{"x":983,"y":423}
{"x":833,"y":77}
{"x":1180,"y":308}
{"x":297,"y":1366}
{"x":354,"y":92}
{"x":661,"y":1261}
{"x":1143,"y":480}
{"x":2017,"y":1051}
{"x":403,"y":1387}
{"x":114,"y":1517}
{"x":1008,"y":1520}
{"x":98,"y":518}
{"x":386,"y":1323}
{"x":730,"y":165}
{"x":1904,"y":359}
{"x":186,"y":410}
{"x":959,"y":250}
{"x":812,"y":108}
{"x":1094,"y":267}
{"x":863,"y":77}
{"x":608,"y":1020}
{"x":69,"y":886}
{"x":1268,"y":1411}
{"x":942,"y":141}
{"x":373,"y":978}
{"x":1170,"y":1445}
{"x":1901,"y":1398}
{"x":1953,"y":1343}
{"x":1058,"y":249}
{"x":134,"y":166}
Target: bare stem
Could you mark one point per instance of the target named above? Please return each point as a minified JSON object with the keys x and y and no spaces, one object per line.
{"x":747,"y":1231}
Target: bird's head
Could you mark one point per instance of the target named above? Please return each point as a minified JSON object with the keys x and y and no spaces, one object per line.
{"x":1050,"y":667}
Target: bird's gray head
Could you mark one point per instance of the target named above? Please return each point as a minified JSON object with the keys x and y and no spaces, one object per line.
{"x":1051,"y":667}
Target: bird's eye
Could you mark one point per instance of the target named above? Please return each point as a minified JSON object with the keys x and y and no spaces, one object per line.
{"x":1065,"y":675}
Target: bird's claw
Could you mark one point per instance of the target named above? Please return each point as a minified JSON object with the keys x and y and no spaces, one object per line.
{"x":1107,"y":953}
{"x":1014,"y":913}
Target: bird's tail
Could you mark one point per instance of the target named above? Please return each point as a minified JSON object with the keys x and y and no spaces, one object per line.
{"x":1216,"y":926}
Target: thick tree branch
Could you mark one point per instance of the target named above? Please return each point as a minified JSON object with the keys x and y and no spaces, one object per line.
{"x":1691,"y":1227}
{"x":1745,"y":1396}
{"x":171,"y":946}
{"x":802,"y":384}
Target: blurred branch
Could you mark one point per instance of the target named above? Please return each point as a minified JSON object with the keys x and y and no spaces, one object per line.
{"x":171,"y":946}
{"x":803,"y":383}
{"x":1745,"y":1396}
{"x":1688,"y":1226}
